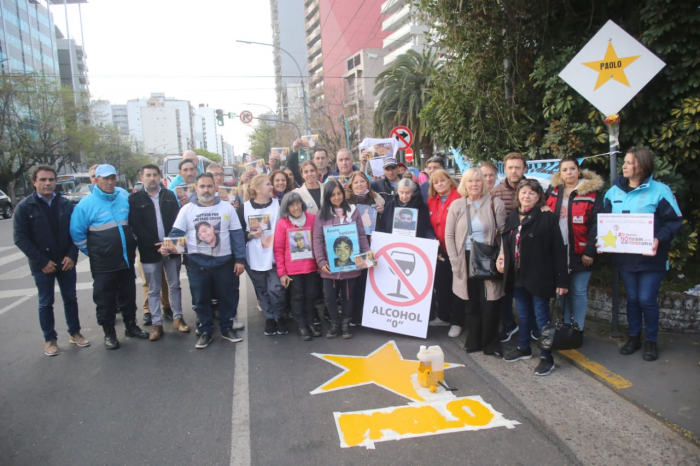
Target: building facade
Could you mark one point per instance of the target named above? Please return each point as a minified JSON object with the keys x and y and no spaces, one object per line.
{"x":28,"y":38}
{"x":206,"y":130}
{"x":132,"y":116}
{"x":404,"y":28}
{"x":160,"y":127}
{"x":73,"y":69}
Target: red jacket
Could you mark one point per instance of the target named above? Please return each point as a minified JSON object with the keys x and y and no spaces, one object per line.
{"x":283,"y":256}
{"x":584,"y":204}
{"x":438,"y":215}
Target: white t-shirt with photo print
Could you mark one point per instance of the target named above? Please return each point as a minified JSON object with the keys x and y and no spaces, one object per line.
{"x":208,"y":228}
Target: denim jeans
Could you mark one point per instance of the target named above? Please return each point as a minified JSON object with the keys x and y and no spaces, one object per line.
{"x":642,"y":302}
{"x":224,"y":280}
{"x":45,"y":285}
{"x":576,"y":300}
{"x":270,"y":291}
{"x":304,"y":288}
{"x":527,"y":303}
{"x":170,"y":266}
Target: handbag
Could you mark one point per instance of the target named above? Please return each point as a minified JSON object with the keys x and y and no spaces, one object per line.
{"x":560,"y":335}
{"x":482,"y":257}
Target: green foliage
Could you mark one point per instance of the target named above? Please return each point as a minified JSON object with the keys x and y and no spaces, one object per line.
{"x":261,"y":140}
{"x":213,"y":156}
{"x":403,"y":89}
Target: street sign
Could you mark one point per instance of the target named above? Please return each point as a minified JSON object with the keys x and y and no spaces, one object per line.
{"x":409,"y":155}
{"x":403,"y":135}
{"x":231,"y":115}
{"x":611,"y":69}
{"x":246,"y":117}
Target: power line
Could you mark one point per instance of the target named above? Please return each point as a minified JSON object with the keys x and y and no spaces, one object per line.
{"x":346,"y":27}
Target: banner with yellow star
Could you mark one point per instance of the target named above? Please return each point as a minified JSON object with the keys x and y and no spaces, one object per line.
{"x":611,"y":69}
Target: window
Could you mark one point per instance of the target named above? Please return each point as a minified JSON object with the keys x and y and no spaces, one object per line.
{"x":351,"y":64}
{"x":357,"y":60}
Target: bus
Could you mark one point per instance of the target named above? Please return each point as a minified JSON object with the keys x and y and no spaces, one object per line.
{"x":171,"y":170}
{"x":67,"y":183}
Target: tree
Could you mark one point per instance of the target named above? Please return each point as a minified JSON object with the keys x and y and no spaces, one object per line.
{"x":403,"y":91}
{"x":38,"y":124}
{"x":106,"y":144}
{"x":213,"y":156}
{"x":261,"y":140}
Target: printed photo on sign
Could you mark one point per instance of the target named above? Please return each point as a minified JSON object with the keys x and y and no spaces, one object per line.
{"x":366,"y":260}
{"x":208,"y":238}
{"x":368,"y":214}
{"x":343,"y":180}
{"x":377,"y":166}
{"x":405,"y":221}
{"x":267,"y":240}
{"x":175,"y":245}
{"x":300,"y":244}
{"x":228,"y":193}
{"x":279,"y":153}
{"x":310,"y":139}
{"x":342,"y":244}
{"x":259,"y":221}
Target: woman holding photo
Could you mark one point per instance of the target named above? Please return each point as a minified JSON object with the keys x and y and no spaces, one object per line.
{"x":337,"y":211}
{"x":300,"y":276}
{"x":259,"y":255}
{"x":636,"y":192}
{"x":408,"y":196}
{"x":281,"y":184}
{"x":359,"y":192}
{"x":310,"y":191}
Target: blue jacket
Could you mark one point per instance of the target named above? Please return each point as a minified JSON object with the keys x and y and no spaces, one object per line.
{"x":100,"y":229}
{"x":650,"y":197}
{"x":32,"y":232}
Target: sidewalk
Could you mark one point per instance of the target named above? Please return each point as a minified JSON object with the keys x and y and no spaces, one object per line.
{"x":668,"y":388}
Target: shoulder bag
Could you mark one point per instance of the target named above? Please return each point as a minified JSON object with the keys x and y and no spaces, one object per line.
{"x":482,"y":257}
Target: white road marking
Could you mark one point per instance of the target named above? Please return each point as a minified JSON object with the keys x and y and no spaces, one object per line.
{"x":15,"y":304}
{"x":5,"y":248}
{"x":16,"y":274}
{"x":240,"y":416}
{"x":11,"y":258}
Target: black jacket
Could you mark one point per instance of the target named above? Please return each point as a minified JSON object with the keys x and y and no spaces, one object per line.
{"x":543,"y":266}
{"x":425,"y":228}
{"x":32,"y":232}
{"x":142,"y":218}
{"x":383,"y":188}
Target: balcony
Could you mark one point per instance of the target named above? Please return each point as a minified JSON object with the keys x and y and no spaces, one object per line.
{"x":403,"y":34}
{"x":316,"y":92}
{"x":318,"y":61}
{"x":397,"y":20}
{"x":315,"y":48}
{"x":391,"y":6}
{"x":313,"y":35}
{"x":314,"y":21}
{"x":401,"y":50}
{"x":310,"y":9}
{"x":315,"y":78}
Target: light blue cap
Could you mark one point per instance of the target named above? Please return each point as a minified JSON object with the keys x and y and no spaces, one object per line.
{"x":105,"y":170}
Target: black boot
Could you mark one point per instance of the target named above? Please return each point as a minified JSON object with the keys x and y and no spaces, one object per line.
{"x":632,"y":345}
{"x":147,"y":321}
{"x":651,"y":351}
{"x":111,"y":342}
{"x":345,"y":329}
{"x":134,"y":331}
{"x":334,"y":330}
{"x":314,"y":332}
{"x":304,"y":333}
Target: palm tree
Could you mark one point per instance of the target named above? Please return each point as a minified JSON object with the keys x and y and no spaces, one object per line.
{"x":404,"y":92}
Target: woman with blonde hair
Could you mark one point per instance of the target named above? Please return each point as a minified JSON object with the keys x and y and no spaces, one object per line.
{"x":476,"y":217}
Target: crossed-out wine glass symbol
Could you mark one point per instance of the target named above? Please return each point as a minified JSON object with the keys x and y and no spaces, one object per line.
{"x":407,"y":263}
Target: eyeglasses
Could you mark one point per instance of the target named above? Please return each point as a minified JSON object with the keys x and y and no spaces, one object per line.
{"x":217,"y":174}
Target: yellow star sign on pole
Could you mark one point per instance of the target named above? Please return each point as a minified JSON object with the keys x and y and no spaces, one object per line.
{"x":384,"y":367}
{"x":611,"y":67}
{"x":610,"y":240}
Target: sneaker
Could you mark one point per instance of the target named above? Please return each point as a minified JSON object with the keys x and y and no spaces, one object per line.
{"x":651,"y":351}
{"x":237,"y":325}
{"x":518,"y":354}
{"x":314,"y":332}
{"x":51,"y":348}
{"x":156,"y":333}
{"x":167,"y":314}
{"x":270,"y":327}
{"x":455,"y":331}
{"x":281,"y":327}
{"x":545,"y":367}
{"x":535,"y":335}
{"x":181,"y":326}
{"x":317,"y":322}
{"x":304,"y":333}
{"x":203,"y":341}
{"x":632,"y":345}
{"x":437,"y":322}
{"x":134,"y":331}
{"x":111,"y":342}
{"x":147,"y":321}
{"x":231,"y":335}
{"x":508,"y":331}
{"x":78,"y":339}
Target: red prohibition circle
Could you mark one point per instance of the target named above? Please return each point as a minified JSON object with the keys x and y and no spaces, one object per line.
{"x":429,"y":286}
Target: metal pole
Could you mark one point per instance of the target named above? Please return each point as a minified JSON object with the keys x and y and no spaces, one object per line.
{"x":301,"y":77}
{"x":615,"y":318}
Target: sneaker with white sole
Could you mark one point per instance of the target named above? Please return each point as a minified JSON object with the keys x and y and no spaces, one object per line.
{"x":51,"y":348}
{"x":437,"y":322}
{"x":518,"y":354}
{"x":237,"y":325}
{"x":545,"y":367}
{"x":455,"y":331}
{"x":508,"y":331}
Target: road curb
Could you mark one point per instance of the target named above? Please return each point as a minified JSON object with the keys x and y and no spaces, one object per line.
{"x":684,"y":433}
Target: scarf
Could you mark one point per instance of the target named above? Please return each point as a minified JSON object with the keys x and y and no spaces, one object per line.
{"x":298,"y":222}
{"x":361,"y":193}
{"x":517,"y":248}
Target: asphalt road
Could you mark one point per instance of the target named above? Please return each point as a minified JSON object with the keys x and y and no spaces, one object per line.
{"x":166,"y":403}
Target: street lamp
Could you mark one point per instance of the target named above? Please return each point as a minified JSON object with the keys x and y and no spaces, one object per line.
{"x":301,"y":77}
{"x":261,"y":105}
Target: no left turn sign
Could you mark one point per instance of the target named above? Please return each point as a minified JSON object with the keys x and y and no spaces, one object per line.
{"x":246,"y":117}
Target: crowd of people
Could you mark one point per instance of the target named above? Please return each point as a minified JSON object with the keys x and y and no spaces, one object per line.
{"x":273,"y":230}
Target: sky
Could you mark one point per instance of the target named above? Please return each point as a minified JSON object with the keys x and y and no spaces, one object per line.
{"x":186,"y":49}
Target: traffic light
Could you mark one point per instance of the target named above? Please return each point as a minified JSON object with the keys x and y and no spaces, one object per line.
{"x":219,"y":117}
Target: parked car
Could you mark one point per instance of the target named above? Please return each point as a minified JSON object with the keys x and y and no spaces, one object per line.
{"x":229,"y":180}
{"x":5,"y":205}
{"x":137,"y":187}
{"x":79,"y":193}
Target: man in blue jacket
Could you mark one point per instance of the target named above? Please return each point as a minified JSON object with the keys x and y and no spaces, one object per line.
{"x":100,"y":229}
{"x":41,"y":232}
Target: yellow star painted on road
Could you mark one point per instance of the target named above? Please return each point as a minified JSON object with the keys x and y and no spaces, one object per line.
{"x":384,"y":367}
{"x":610,"y":240}
{"x":611,"y":67}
